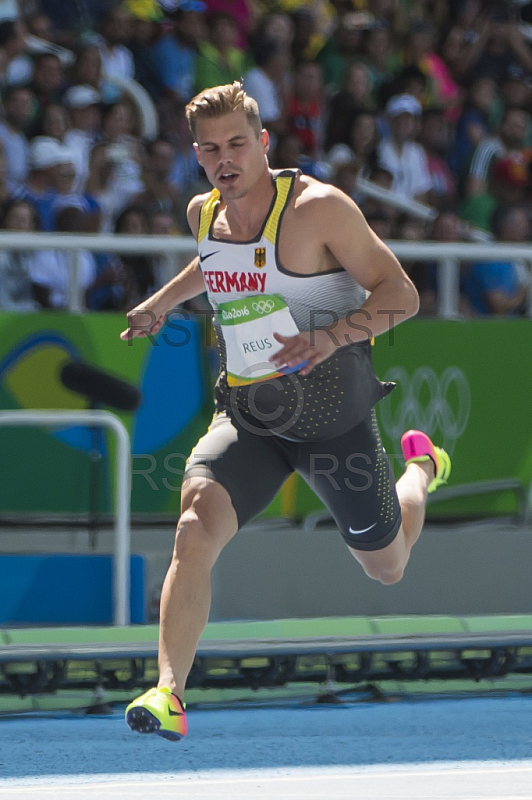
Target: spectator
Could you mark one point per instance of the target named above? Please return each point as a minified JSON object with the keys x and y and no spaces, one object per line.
{"x":160,"y":192}
{"x":511,"y":137}
{"x":473,"y":124}
{"x":48,"y":80}
{"x":277,"y":27}
{"x":144,"y":33}
{"x":87,"y":69}
{"x":55,"y":122}
{"x":130,"y":278}
{"x":18,"y":101}
{"x":16,"y":291}
{"x":40,"y":189}
{"x":83,"y":103}
{"x":17,"y":66}
{"x":305,"y":108}
{"x":51,"y":276}
{"x":447,"y":227}
{"x":354,"y":97}
{"x":117,"y":60}
{"x":264,"y":83}
{"x":515,"y":92}
{"x":307,"y":40}
{"x":500,"y":44}
{"x":508,"y":183}
{"x":41,"y":26}
{"x":174,"y":55}
{"x":219,"y":61}
{"x":381,"y":60}
{"x":501,"y":287}
{"x":340,"y":49}
{"x":241,"y":11}
{"x":186,"y":174}
{"x":116,"y":164}
{"x":434,"y":137}
{"x":381,"y":224}
{"x":400,"y":154}
{"x":443,"y":92}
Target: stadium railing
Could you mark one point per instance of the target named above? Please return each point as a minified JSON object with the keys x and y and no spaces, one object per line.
{"x":177,"y":251}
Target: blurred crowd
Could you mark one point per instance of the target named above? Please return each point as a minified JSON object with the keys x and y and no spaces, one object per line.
{"x":430,"y":100}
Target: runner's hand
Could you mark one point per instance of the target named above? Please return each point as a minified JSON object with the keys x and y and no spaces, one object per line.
{"x":146,"y":319}
{"x":312,"y":346}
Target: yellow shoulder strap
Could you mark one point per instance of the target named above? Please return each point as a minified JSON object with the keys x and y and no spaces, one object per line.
{"x":283,"y":184}
{"x":206,"y":213}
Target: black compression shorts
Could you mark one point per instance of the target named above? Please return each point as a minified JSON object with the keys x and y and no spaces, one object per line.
{"x":350,"y":473}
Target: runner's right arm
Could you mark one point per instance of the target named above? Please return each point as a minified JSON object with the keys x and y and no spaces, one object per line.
{"x":147,"y":318}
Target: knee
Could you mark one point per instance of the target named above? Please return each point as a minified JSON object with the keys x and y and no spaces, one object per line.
{"x":387,"y":575}
{"x":194,"y":541}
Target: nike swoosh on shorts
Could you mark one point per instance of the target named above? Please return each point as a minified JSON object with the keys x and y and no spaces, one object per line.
{"x":364,"y":530}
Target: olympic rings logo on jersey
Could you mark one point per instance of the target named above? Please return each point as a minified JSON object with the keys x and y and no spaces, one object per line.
{"x":434,"y":404}
{"x":263,"y":306}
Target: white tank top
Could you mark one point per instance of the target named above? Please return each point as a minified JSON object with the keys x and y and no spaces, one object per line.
{"x":252,"y":294}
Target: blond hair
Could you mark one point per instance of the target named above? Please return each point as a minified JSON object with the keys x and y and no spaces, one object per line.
{"x":220,"y":100}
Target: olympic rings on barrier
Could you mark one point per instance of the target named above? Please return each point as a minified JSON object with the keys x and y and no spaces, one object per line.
{"x":433,"y":404}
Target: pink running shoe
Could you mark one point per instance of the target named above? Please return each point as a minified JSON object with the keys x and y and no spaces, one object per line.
{"x":417,"y":447}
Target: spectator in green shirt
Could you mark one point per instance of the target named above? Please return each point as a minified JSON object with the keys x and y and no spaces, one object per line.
{"x":219,"y":61}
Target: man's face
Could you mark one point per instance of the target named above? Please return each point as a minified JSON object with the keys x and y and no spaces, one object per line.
{"x":231,"y":153}
{"x":403,"y":127}
{"x":49,"y":76}
{"x":513,"y":129}
{"x":19,"y":107}
{"x":162,"y":159}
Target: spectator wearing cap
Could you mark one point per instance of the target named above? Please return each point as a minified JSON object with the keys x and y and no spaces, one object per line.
{"x":511,"y":137}
{"x":83,"y":104}
{"x":117,"y":61}
{"x":501,"y":287}
{"x":174,"y":54}
{"x":18,"y":107}
{"x":264,"y":82}
{"x":400,"y":154}
{"x":219,"y":60}
{"x":45,"y":157}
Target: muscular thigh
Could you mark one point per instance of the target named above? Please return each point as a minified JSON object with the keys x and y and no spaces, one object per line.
{"x":250,"y":467}
{"x":351,"y":474}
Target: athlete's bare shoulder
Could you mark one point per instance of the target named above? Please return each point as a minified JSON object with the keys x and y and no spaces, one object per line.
{"x":320,"y":203}
{"x":193,"y":212}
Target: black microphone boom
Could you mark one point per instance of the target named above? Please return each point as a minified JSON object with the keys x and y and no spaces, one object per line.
{"x":99,"y":386}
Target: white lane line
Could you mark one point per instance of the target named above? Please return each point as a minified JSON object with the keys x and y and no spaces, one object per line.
{"x":293,"y":777}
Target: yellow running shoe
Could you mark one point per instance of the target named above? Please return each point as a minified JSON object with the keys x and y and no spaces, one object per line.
{"x":417,"y":447}
{"x":158,"y":711}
